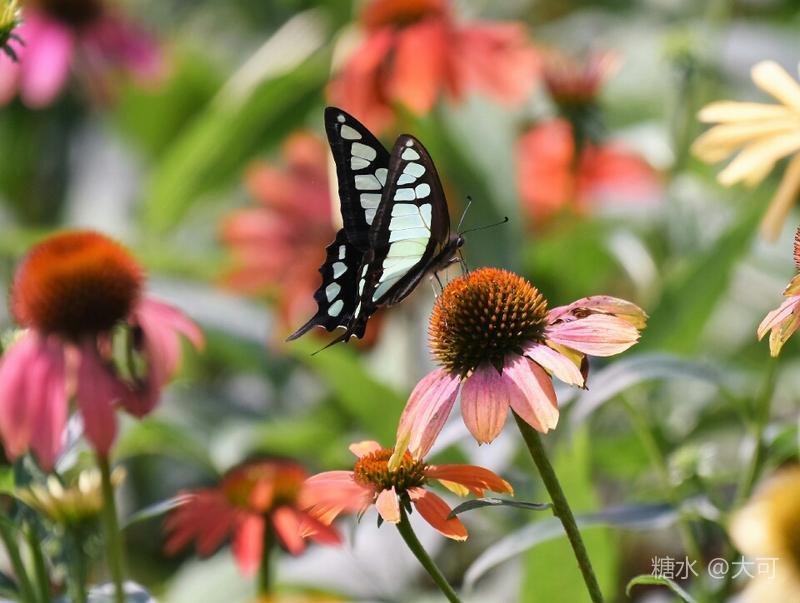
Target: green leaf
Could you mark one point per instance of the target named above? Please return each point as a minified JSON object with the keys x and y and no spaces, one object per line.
{"x":249,"y":115}
{"x":152,"y":436}
{"x":375,"y":406}
{"x":646,"y":579}
{"x":7,"y":479}
{"x":478,"y":503}
{"x":8,"y":588}
{"x":689,"y":299}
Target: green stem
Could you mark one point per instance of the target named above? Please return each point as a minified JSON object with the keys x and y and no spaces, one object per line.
{"x":112,"y":533}
{"x":264,"y":582}
{"x":27,"y":594}
{"x":404,"y":527}
{"x":561,"y":507}
{"x":39,"y":565}
{"x":77,"y":577}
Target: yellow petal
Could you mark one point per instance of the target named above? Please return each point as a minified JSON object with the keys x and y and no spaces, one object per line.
{"x":726,"y":111}
{"x":782,"y":202}
{"x":455,"y":488}
{"x":773,"y":79}
{"x":756,"y":156}
{"x":720,"y":141}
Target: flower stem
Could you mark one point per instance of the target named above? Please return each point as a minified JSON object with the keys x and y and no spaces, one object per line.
{"x":561,"y":507}
{"x":264,"y":581}
{"x":27,"y":594}
{"x":404,"y":527}
{"x":77,"y":578}
{"x":112,"y":532}
{"x":39,"y":565}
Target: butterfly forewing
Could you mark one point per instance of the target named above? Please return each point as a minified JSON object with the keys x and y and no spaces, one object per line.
{"x":362,"y":165}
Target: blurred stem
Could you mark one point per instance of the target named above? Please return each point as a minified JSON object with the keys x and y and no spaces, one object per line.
{"x":26,"y":592}
{"x":77,"y":566}
{"x":404,"y":527}
{"x":39,"y":565}
{"x":264,"y":582}
{"x":561,"y":508}
{"x":113,"y":537}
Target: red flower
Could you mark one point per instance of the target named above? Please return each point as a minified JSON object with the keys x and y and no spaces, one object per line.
{"x":250,"y":499}
{"x":72,"y":291}
{"x":415,"y":51}
{"x":551,"y":177}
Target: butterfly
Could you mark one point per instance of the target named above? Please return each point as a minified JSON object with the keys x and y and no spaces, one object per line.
{"x":396,"y":227}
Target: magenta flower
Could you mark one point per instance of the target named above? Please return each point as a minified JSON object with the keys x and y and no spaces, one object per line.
{"x":499,"y":347}
{"x":84,"y":35}
{"x":784,"y":320}
{"x":79,"y":293}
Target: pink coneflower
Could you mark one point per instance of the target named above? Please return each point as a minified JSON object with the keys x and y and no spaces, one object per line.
{"x":372,"y":481}
{"x":571,"y":82}
{"x":416,"y":51}
{"x":254,"y":502}
{"x":784,"y":320}
{"x":85,"y":35}
{"x":78,"y":293}
{"x":553,"y":174}
{"x":499,"y":346}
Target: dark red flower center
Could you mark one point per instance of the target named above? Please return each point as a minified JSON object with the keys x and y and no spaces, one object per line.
{"x":262,"y":486}
{"x":400,"y":13}
{"x":76,"y":13}
{"x":483,"y":316}
{"x":373,"y":470}
{"x":76,"y":284}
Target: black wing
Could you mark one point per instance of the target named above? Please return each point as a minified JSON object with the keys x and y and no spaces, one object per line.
{"x":336,"y":297}
{"x":410,"y":231}
{"x":362,"y":164}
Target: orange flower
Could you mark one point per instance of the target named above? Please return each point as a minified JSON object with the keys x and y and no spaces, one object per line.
{"x":552,"y":175}
{"x":327,"y":495}
{"x":251,"y":498}
{"x":415,"y":51}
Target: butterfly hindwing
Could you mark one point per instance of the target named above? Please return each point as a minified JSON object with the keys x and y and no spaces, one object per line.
{"x":362,"y":165}
{"x":336,"y":297}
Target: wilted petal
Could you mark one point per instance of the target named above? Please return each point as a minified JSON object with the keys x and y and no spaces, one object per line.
{"x":288,"y":524}
{"x":600,"y":304}
{"x":532,"y":395}
{"x":596,"y":335}
{"x":476,"y":479}
{"x":484,"y":403}
{"x":364,"y":448}
{"x":556,"y":363}
{"x":248,"y":544}
{"x":425,"y":414}
{"x":773,"y":79}
{"x":436,"y":512}
{"x":97,"y":393}
{"x":388,"y":505}
{"x":783,"y":322}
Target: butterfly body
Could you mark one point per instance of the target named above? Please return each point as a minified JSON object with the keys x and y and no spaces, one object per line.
{"x":396,"y":227}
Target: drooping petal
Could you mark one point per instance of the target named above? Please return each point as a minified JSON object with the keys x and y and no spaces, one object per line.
{"x":317,"y":531}
{"x":33,"y":398}
{"x":47,"y":59}
{"x":532,"y":395}
{"x":364,"y":448}
{"x":484,"y":403}
{"x":206,"y":518}
{"x":425,"y":414}
{"x":599,"y":304}
{"x":596,"y":335}
{"x":388,"y":505}
{"x":288,"y":524}
{"x":556,"y":363}
{"x":328,"y":494}
{"x":476,"y":479}
{"x":97,"y":393}
{"x":248,"y":543}
{"x":435,"y":511}
{"x":783,"y":322}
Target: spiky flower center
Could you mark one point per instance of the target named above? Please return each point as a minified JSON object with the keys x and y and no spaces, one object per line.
{"x":400,"y":13}
{"x":76,"y":284}
{"x":373,"y":470}
{"x":483,"y":316}
{"x":264,"y":485}
{"x":76,"y":13}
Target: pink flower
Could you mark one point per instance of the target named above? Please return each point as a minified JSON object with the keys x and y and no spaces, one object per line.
{"x":551,"y":177}
{"x":414,"y":52}
{"x":499,"y":346}
{"x":784,"y":320}
{"x":577,"y":83}
{"x":84,"y":35}
{"x":372,"y":481}
{"x":78,"y":293}
{"x":251,"y":498}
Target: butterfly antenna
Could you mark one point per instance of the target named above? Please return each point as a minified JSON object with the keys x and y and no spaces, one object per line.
{"x":477,"y":228}
{"x":464,"y":214}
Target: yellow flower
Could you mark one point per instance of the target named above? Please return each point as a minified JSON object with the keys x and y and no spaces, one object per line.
{"x":768,"y":528}
{"x":760,"y":134}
